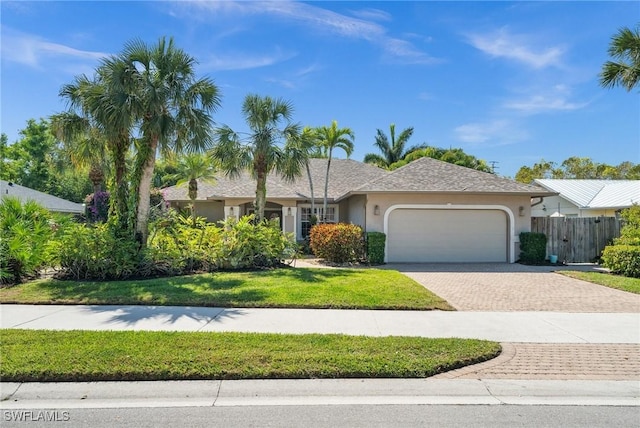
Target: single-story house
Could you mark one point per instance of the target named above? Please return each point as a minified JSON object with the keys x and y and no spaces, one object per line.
{"x":585,"y":198}
{"x":430,"y":211}
{"x":50,"y":202}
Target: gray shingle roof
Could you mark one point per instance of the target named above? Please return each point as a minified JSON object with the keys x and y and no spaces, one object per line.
{"x":50,"y":202}
{"x":431,"y":175}
{"x":595,"y":193}
{"x":345,"y":175}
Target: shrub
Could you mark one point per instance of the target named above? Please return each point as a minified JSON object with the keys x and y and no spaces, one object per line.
{"x":176,"y":246}
{"x":630,"y":233}
{"x":96,"y":252}
{"x":180,"y":247}
{"x":624,"y":256}
{"x":247,"y":244}
{"x":25,"y":232}
{"x":337,"y":243}
{"x":96,"y":206}
{"x":375,"y":247}
{"x":533,"y":247}
{"x":623,"y":259}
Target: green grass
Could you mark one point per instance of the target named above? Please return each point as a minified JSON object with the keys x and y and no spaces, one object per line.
{"x":277,"y":288}
{"x":57,"y":356}
{"x":632,"y":285}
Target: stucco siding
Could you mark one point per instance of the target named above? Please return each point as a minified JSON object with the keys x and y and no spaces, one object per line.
{"x":385,"y":201}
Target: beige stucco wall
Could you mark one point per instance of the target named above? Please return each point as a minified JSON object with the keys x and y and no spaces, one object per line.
{"x":212,"y":211}
{"x":519,"y":206}
{"x":357,"y":207}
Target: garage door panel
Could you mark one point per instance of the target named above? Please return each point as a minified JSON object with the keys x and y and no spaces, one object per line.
{"x":428,"y":235}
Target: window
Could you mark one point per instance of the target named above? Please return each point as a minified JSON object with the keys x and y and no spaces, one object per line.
{"x":305,"y":217}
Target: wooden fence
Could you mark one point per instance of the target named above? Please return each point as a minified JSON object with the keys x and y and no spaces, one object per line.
{"x":577,"y":239}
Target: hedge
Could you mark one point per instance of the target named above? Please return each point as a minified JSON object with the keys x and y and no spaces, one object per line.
{"x":375,"y":247}
{"x":533,"y":247}
{"x":622,"y":259}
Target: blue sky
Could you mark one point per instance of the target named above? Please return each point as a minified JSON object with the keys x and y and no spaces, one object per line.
{"x":510,"y":82}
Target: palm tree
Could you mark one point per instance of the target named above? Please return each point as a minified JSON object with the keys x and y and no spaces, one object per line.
{"x":307,"y":142}
{"x":270,"y":146}
{"x":393,"y":151}
{"x":83,"y":147}
{"x":189,"y":169}
{"x":172,"y":107}
{"x":329,"y":138}
{"x":97,"y":122}
{"x":625,"y":69}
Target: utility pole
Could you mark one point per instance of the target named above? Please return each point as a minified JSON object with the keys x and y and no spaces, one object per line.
{"x":493,"y":166}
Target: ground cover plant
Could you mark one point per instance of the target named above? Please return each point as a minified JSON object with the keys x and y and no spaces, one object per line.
{"x":275,"y":288}
{"x":632,"y":285}
{"x":48,"y":356}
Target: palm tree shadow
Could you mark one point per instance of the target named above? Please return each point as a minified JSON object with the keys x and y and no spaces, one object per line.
{"x":163,"y":317}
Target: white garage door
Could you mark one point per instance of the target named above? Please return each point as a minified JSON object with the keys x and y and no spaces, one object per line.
{"x":430,"y":235}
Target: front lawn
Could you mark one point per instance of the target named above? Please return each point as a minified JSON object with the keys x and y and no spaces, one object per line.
{"x":632,"y":285}
{"x":277,"y":288}
{"x":59,"y":356}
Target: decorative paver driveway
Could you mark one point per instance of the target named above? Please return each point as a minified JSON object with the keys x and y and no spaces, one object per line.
{"x":515,"y":287}
{"x":557,"y":361}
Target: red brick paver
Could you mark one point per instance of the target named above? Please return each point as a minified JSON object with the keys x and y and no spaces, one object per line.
{"x":557,"y":361}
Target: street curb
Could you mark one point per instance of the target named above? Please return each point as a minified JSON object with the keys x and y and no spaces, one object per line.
{"x":318,"y":392}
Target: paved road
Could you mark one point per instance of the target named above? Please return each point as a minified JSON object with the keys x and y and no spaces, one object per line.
{"x":344,"y":416}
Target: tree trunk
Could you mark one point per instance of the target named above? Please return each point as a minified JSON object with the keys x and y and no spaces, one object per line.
{"x":120,"y":203}
{"x":261,"y":195}
{"x":313,"y":200}
{"x":144,"y":193}
{"x":193,"y":195}
{"x":326,"y":189}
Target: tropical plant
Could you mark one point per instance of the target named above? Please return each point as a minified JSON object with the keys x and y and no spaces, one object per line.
{"x":329,"y":138}
{"x":99,"y":114}
{"x":392,"y":151}
{"x":337,"y":243}
{"x":25,"y":231}
{"x":452,"y":155}
{"x":308,"y":144}
{"x":173,"y":109}
{"x":576,"y":167}
{"x":190,"y":168}
{"x":271,"y":145}
{"x":624,"y":68}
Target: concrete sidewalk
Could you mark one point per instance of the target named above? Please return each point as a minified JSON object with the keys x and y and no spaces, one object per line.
{"x":523,"y":327}
{"x":316,"y":392}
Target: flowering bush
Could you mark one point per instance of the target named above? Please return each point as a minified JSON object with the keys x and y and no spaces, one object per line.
{"x":337,"y":243}
{"x":96,"y":206}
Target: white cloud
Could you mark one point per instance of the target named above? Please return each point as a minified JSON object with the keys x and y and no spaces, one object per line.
{"x":556,"y":98}
{"x":372,"y":14}
{"x":296,"y":78}
{"x":322,"y":20}
{"x":33,"y":51}
{"x":542,"y":103}
{"x":520,"y":48}
{"x":244,"y":61}
{"x":493,"y":133}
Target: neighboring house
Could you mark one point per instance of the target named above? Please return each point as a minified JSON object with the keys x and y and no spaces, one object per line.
{"x":50,"y":202}
{"x":585,"y":198}
{"x":431,"y":211}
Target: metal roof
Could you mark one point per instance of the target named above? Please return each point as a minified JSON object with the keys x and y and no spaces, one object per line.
{"x":595,"y":193}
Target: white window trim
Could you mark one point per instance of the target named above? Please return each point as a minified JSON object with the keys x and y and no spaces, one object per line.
{"x":319,"y":206}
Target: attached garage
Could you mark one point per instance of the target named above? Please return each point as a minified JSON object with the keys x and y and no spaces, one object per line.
{"x":428,"y":234}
